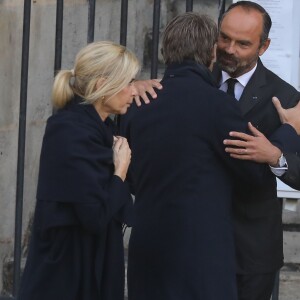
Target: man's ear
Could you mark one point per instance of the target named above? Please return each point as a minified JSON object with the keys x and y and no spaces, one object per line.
{"x":264,"y":47}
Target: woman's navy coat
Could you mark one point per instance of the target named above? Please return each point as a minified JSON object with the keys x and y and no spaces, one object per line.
{"x":181,"y":245}
{"x":76,"y":250}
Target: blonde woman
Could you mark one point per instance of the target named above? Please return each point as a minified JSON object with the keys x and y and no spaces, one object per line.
{"x":76,"y":250}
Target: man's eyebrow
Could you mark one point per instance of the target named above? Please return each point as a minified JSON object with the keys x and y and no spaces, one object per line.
{"x":223,"y":34}
{"x":244,"y":42}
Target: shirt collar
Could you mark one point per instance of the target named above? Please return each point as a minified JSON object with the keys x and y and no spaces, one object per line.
{"x":243,"y":79}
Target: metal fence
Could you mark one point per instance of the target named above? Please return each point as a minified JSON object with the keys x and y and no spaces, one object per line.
{"x":57,"y":66}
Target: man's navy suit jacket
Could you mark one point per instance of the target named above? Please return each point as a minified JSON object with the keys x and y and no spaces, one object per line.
{"x":257,"y":212}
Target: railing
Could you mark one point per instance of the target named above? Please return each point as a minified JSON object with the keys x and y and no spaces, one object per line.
{"x":57,"y":66}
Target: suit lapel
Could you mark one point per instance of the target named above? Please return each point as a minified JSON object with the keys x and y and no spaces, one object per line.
{"x":252,"y":94}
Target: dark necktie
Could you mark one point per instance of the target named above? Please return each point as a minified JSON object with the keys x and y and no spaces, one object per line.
{"x":231,"y":83}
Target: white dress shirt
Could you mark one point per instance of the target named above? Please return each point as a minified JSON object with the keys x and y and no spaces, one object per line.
{"x":240,"y":85}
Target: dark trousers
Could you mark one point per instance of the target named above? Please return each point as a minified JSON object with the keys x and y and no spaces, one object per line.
{"x":255,"y":286}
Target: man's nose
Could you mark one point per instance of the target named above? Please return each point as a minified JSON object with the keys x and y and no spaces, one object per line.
{"x":230,"y":49}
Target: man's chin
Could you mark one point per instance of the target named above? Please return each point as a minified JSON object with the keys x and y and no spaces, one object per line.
{"x":227,"y":68}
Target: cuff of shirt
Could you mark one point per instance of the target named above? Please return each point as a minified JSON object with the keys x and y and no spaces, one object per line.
{"x":281,"y":169}
{"x":278,"y":171}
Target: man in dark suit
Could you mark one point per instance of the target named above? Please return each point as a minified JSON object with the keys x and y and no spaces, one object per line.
{"x":243,"y":37}
{"x":182,"y":245}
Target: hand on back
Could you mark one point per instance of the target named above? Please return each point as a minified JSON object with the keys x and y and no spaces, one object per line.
{"x":146,"y":86}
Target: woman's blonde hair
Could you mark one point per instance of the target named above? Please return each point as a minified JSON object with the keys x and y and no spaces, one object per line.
{"x":114,"y":65}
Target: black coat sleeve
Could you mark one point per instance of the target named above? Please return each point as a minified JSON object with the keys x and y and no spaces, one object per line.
{"x":292,"y":176}
{"x":287,"y":140}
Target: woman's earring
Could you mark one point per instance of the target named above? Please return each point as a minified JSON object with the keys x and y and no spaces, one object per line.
{"x":102,"y":98}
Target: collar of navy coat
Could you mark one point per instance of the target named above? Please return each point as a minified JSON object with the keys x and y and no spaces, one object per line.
{"x":189,"y":66}
{"x":77,"y":105}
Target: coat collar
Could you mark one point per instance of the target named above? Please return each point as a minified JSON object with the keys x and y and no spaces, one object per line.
{"x":77,"y":104}
{"x":107,"y":126}
{"x":191,"y":67}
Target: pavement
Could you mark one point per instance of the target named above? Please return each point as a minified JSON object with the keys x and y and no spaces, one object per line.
{"x":289,"y":287}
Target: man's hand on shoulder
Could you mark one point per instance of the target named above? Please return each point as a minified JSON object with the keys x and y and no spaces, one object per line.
{"x":146,"y":86}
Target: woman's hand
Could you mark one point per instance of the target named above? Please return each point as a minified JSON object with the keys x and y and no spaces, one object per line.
{"x":121,"y":156}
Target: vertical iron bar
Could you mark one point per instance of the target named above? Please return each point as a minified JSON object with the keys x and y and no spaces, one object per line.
{"x":21,"y":146}
{"x":275,"y":292}
{"x":155,"y":38}
{"x":221,"y":9}
{"x":189,"y":5}
{"x":58,"y":34}
{"x":124,"y":20}
{"x":123,"y":39}
{"x":91,"y":21}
